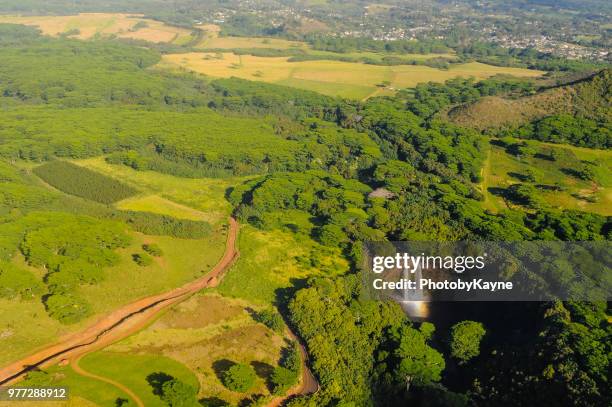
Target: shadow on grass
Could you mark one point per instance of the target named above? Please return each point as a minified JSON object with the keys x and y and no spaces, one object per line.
{"x":213,"y":402}
{"x":264,"y":371}
{"x":221,"y":366}
{"x":157,"y":380}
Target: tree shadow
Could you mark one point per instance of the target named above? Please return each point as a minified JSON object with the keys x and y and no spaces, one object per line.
{"x":252,"y":313}
{"x":120,"y":402}
{"x":157,"y":380}
{"x":221,"y":366}
{"x":213,"y":402}
{"x":546,"y":157}
{"x":519,"y":176}
{"x":264,"y":371}
{"x":571,"y":172}
{"x":502,"y":192}
{"x":250,"y":401}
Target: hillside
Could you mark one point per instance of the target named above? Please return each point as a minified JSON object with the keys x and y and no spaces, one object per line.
{"x":590,"y":98}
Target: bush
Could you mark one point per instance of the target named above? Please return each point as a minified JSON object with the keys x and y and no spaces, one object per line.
{"x":153,"y":249}
{"x":155,"y":224}
{"x":271,"y":319}
{"x":282,"y":379}
{"x":66,"y":308}
{"x":175,"y":393}
{"x":239,"y":378}
{"x":142,"y":259}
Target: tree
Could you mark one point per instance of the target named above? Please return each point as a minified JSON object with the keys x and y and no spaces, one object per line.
{"x":176,"y":393}
{"x":282,"y":379}
{"x":239,"y":378}
{"x":465,"y":340}
{"x":417,"y":362}
{"x":271,"y":319}
{"x":142,"y":259}
{"x":153,"y":249}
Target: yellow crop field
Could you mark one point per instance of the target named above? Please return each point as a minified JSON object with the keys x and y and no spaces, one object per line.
{"x":87,"y":25}
{"x":335,"y":78}
{"x":248,"y":42}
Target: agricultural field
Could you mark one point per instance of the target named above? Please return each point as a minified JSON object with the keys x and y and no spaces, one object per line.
{"x":89,"y":25}
{"x":503,"y":169}
{"x":334,"y":78}
{"x":216,"y":42}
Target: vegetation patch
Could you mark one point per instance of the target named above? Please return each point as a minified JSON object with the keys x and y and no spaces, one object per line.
{"x":559,"y":176}
{"x":79,"y":181}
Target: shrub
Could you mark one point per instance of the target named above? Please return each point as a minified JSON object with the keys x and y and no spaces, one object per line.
{"x":271,"y":319}
{"x":142,"y":259}
{"x":239,"y":378}
{"x":153,"y":249}
{"x":282,"y":379}
{"x":66,"y":308}
{"x":155,"y":224}
{"x":178,"y":394}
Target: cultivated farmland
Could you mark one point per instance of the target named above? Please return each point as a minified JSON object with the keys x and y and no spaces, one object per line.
{"x":89,"y":25}
{"x":334,"y":78}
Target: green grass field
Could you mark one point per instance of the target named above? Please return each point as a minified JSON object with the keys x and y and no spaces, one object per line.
{"x":503,"y":169}
{"x":132,"y":370}
{"x":83,"y":391}
{"x":334,"y":78}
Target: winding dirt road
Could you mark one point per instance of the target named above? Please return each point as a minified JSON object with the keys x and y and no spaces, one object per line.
{"x":122,"y":322}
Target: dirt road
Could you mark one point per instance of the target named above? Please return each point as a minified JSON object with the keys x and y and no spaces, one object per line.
{"x":122,"y":322}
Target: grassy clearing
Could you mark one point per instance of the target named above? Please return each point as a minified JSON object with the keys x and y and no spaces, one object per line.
{"x":157,"y":204}
{"x":204,"y":333}
{"x":132,"y":370}
{"x":24,"y":326}
{"x":504,"y":169}
{"x":184,"y":260}
{"x":205,"y":196}
{"x":249,"y":42}
{"x":335,"y":78}
{"x":88,"y":25}
{"x":272,"y":260}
